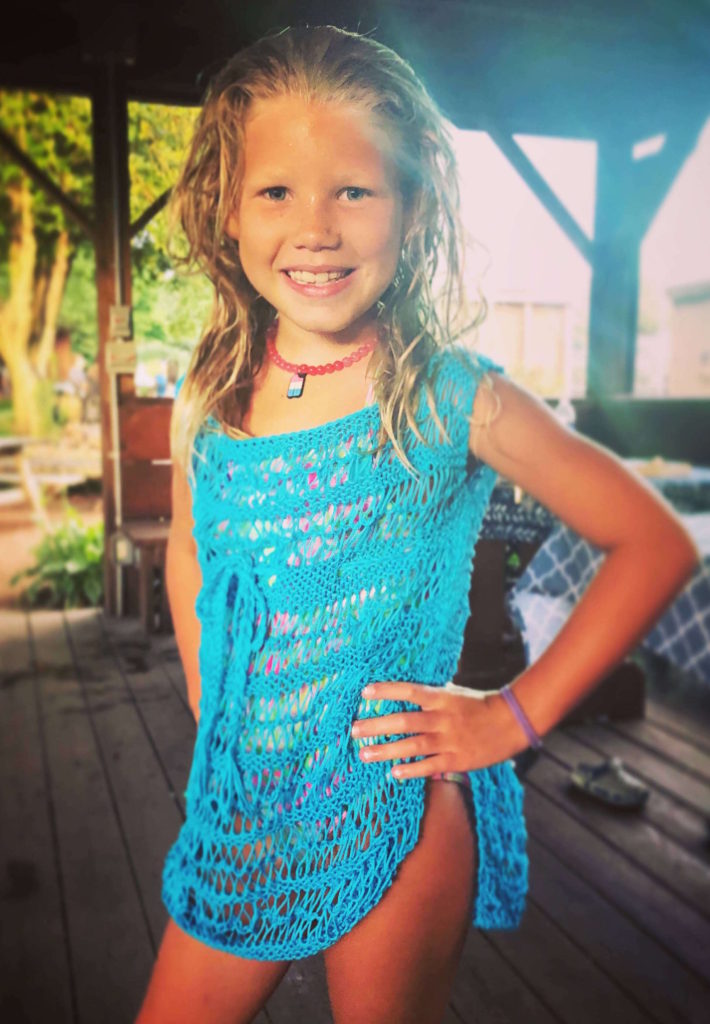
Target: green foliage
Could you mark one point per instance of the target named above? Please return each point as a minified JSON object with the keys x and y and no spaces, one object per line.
{"x":6,"y":417}
{"x":55,"y":131}
{"x":69,"y":569}
{"x":159,"y":136}
{"x":78,"y":309}
{"x":172,"y":310}
{"x":169,"y":309}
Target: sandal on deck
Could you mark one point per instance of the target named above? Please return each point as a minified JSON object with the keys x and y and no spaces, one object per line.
{"x":610,"y":783}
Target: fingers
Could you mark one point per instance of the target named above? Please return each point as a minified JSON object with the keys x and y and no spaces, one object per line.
{"x":415,"y":693}
{"x":413,"y":746}
{"x":423,"y":730}
{"x":398,"y":721}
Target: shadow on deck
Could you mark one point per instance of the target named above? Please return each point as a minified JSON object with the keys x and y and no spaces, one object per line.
{"x":95,"y":742}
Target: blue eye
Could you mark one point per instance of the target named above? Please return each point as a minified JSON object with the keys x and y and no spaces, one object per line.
{"x":354,"y":188}
{"x":275,"y":188}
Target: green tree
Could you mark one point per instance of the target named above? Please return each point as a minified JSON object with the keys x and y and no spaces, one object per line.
{"x":167,"y":307}
{"x":37,"y":239}
{"x":42,"y":248}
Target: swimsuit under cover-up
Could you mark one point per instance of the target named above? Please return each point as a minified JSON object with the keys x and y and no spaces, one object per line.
{"x":325,"y":567}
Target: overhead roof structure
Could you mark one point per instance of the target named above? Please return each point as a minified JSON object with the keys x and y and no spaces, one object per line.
{"x":568,"y":68}
{"x":615,"y":72}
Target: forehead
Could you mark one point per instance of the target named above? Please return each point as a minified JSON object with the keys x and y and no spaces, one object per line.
{"x":286,"y":128}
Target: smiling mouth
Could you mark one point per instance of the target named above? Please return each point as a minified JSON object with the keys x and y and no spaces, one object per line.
{"x":306,"y":277}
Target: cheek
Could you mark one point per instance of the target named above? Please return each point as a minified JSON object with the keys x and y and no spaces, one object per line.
{"x":258,"y":240}
{"x":383,"y":238}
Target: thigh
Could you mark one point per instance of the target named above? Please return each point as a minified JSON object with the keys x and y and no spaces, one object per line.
{"x":397,"y":965}
{"x":193,"y":982}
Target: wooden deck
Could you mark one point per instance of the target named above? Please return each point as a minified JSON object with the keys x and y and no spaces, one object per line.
{"x":95,"y":744}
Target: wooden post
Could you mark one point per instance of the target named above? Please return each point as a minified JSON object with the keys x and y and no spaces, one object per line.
{"x":113,"y":267}
{"x":615,"y":273}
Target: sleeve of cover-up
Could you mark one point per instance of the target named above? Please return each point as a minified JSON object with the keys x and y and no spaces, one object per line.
{"x":472,"y":376}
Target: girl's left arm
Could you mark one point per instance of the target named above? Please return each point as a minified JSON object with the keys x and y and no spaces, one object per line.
{"x":649,"y":553}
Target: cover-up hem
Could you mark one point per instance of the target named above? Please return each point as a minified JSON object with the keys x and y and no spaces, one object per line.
{"x":315,"y":944}
{"x":489,"y":911}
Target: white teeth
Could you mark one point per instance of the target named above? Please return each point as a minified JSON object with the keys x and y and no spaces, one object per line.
{"x":306,"y":277}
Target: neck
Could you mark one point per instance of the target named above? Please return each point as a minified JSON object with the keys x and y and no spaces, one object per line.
{"x":298,"y":346}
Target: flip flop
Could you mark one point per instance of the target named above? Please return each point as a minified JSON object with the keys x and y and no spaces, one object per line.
{"x":610,"y":783}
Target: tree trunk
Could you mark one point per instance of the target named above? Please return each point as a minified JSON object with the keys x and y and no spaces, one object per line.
{"x":53,"y":301}
{"x":16,"y":314}
{"x":39,"y":297}
{"x":31,"y":395}
{"x":28,"y":415}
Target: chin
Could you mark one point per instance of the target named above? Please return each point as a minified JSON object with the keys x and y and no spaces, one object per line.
{"x":322,"y":321}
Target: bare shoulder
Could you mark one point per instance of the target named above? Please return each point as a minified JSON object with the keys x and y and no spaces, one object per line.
{"x":584,"y":484}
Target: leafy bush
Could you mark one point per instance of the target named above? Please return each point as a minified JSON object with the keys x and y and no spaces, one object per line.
{"x":69,"y":568}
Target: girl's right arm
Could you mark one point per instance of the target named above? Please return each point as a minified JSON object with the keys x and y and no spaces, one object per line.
{"x":183,"y":580}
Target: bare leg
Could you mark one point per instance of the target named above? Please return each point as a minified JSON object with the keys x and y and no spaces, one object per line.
{"x":193,"y":982}
{"x":397,"y":965}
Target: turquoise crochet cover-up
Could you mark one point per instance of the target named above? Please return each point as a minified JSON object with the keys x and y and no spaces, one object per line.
{"x":325,"y":567}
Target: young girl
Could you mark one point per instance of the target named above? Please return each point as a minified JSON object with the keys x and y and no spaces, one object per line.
{"x":334,"y":451}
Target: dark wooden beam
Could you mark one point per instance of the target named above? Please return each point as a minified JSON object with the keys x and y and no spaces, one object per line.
{"x":146,"y":217}
{"x":535,"y":181}
{"x":615,"y":273}
{"x":113,"y":268}
{"x":629,"y":194}
{"x":53,"y":190}
{"x":656,"y":174}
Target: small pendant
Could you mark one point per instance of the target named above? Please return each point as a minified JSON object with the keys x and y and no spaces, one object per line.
{"x":295,"y":386}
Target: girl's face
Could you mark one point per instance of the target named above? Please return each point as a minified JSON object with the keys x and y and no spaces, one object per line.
{"x":319,"y":195}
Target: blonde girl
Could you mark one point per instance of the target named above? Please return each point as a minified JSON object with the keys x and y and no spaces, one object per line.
{"x":334,"y":450}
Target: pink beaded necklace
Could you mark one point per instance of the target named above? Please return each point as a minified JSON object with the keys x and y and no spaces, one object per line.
{"x":301,"y":370}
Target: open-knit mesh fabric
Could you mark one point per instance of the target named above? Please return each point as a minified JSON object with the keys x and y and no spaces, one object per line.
{"x":325,"y":567}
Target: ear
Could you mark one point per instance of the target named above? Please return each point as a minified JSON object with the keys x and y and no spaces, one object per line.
{"x":232,"y":226}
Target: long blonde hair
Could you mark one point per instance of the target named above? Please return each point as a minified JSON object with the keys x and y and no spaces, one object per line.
{"x":320,"y":63}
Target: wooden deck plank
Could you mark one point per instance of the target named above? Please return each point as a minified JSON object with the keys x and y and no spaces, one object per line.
{"x":665,"y":989}
{"x":488,"y":987}
{"x":33,"y":928}
{"x":562,"y":974}
{"x":695,"y":730}
{"x":110,"y":946}
{"x":149,"y":818}
{"x":652,"y":906}
{"x":636,"y":834}
{"x":154,"y":676}
{"x":685,"y":754}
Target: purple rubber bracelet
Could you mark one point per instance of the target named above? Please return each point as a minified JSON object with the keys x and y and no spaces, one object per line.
{"x":512,"y":702}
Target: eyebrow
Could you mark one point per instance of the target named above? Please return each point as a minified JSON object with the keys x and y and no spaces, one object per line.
{"x":354,"y":178}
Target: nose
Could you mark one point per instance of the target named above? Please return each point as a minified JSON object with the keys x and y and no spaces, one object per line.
{"x":317,"y":226}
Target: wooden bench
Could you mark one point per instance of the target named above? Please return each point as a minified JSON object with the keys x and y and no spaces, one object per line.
{"x":150,"y":538}
{"x":36,"y":463}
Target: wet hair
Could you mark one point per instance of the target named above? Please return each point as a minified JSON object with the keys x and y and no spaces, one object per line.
{"x":321,"y":64}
